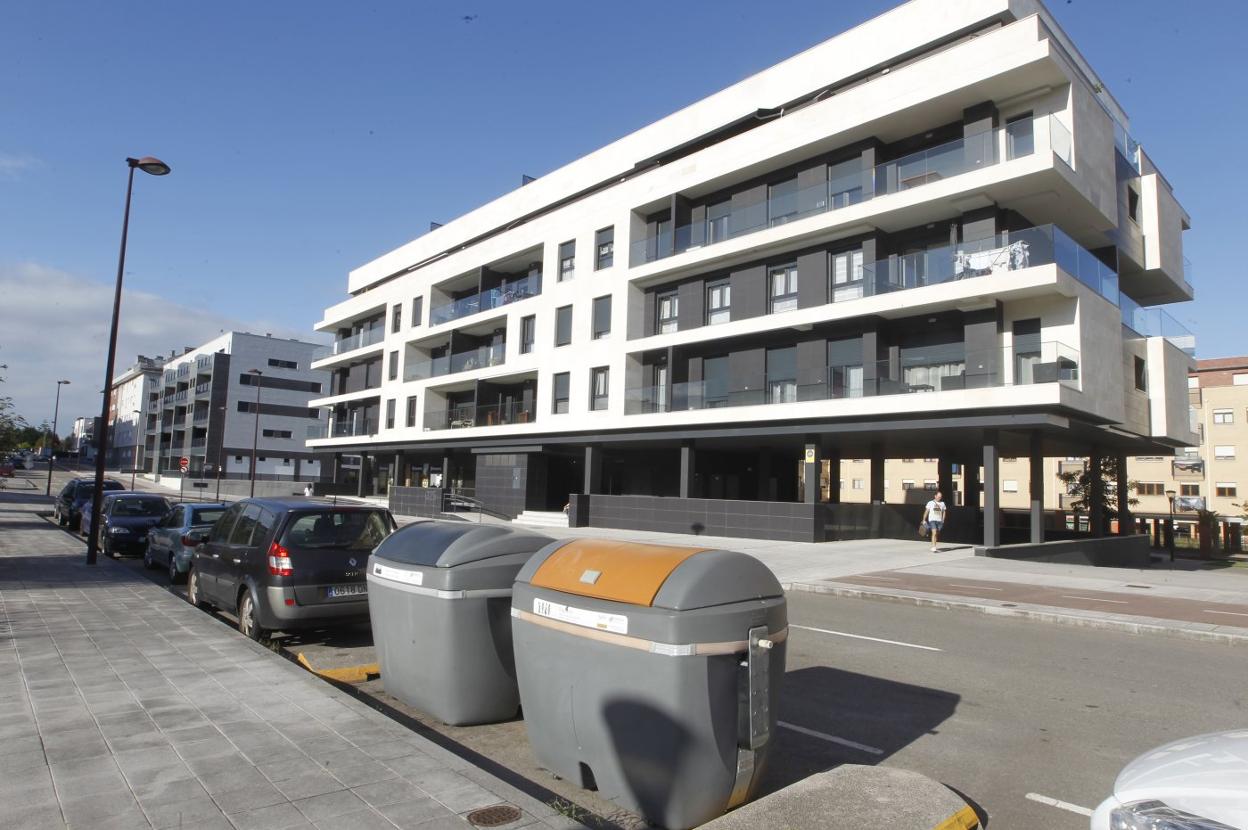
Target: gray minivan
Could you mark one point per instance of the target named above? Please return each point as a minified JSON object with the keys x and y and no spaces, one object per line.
{"x":287,"y":563}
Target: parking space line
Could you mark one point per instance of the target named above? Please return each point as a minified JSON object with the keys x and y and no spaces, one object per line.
{"x":1097,"y":599}
{"x":832,"y":739}
{"x":1059,"y":804}
{"x":1231,"y":613}
{"x":974,"y":587}
{"x":864,"y":637}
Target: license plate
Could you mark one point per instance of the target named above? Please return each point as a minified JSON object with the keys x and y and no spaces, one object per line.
{"x":346,"y":590}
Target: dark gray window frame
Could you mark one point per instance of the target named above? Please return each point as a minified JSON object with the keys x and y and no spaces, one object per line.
{"x":560,"y":327}
{"x":597,"y":402}
{"x":600,"y":321}
{"x":555,"y":398}
{"x":604,"y":248}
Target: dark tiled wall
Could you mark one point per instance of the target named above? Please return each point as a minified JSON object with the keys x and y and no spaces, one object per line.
{"x":787,"y":521}
{"x":416,"y":501}
{"x":502,"y":481}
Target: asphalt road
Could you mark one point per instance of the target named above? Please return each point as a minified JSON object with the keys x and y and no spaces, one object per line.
{"x":1008,"y":712}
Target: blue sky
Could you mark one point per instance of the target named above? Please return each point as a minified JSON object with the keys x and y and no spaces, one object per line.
{"x":308,"y":138}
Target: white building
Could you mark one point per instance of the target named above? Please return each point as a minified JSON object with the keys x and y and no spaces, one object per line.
{"x":206,"y":409}
{"x":930,"y":236}
{"x":132,"y":404}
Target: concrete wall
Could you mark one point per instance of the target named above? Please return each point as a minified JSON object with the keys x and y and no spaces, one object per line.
{"x":1108,"y":552}
{"x":785,"y":521}
{"x":416,"y":501}
{"x":1168,"y":368}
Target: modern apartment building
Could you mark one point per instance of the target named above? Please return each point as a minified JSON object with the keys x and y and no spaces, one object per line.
{"x":205,"y":409}
{"x":931,"y":236}
{"x":131,"y":405}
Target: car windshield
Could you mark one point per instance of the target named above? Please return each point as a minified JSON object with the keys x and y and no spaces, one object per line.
{"x":342,"y":529}
{"x":207,"y":515}
{"x":140,"y":507}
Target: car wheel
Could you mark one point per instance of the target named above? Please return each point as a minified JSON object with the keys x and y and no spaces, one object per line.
{"x":60,"y":517}
{"x":192,"y":590}
{"x":247,"y":622}
{"x":148,"y":564}
{"x":174,"y":576}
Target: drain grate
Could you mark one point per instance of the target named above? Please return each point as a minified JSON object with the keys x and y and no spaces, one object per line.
{"x":495,"y":816}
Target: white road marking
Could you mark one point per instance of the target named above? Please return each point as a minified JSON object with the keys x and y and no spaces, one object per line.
{"x":864,"y":637}
{"x":885,"y":578}
{"x":1059,"y":804}
{"x":1232,"y":613}
{"x":974,"y":587}
{"x":1097,"y":599}
{"x":832,"y":739}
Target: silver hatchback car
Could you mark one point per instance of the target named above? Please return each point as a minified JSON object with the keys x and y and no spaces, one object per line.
{"x":170,"y":544}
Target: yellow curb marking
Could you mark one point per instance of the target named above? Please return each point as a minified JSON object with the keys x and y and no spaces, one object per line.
{"x":964,"y":819}
{"x":347,"y":674}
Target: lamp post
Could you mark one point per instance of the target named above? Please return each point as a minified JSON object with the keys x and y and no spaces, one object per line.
{"x":47,"y":444}
{"x":154,"y":167}
{"x":134,"y":466}
{"x":220,"y":452}
{"x":255,"y":433}
{"x":1170,"y":529}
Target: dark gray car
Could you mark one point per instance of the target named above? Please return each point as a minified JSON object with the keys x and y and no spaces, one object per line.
{"x":170,"y":544}
{"x":285,"y":564}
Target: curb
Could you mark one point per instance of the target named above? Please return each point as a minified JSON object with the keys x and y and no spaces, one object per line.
{"x":347,"y":674}
{"x":1044,"y":613}
{"x":964,"y":819}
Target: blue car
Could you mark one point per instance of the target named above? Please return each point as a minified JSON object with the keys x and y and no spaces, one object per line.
{"x":124,"y":521}
{"x":75,"y":499}
{"x":170,"y":543}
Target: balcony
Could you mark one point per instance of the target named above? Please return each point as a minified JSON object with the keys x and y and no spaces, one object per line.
{"x":914,"y":373}
{"x":464,"y":417}
{"x":1156,"y":322}
{"x":201,"y":417}
{"x":180,"y":397}
{"x":478,"y":358}
{"x":945,"y":161}
{"x":367,"y":337}
{"x":349,"y":428}
{"x":512,"y":292}
{"x":203,"y":364}
{"x":202,"y":389}
{"x":184,"y":370}
{"x":1188,"y":468}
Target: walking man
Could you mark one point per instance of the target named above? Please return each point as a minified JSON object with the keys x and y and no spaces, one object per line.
{"x":934,"y":515}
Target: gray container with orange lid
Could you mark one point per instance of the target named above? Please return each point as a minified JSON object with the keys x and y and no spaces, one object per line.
{"x":651,"y":673}
{"x":439,"y":593}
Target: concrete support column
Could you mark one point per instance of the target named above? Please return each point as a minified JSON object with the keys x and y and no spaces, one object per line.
{"x":361,"y":486}
{"x":688,"y":469}
{"x":944,"y":478}
{"x":833,"y":457}
{"x":1126,"y":523}
{"x":446,"y":472}
{"x":877,"y":473}
{"x":335,"y":469}
{"x":764,"y":476}
{"x":992,"y":489}
{"x":970,"y":484}
{"x":1036,"y":487}
{"x":593,"y":470}
{"x":1096,"y":495}
{"x":812,"y":467}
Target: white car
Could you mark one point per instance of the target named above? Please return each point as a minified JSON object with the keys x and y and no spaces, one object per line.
{"x":1198,"y":783}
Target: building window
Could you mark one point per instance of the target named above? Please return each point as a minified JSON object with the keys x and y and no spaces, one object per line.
{"x":783,"y":294}
{"x":1019,"y":136}
{"x":599,"y":386}
{"x":394,"y":365}
{"x":1193,"y":383}
{"x":782,"y":375}
{"x":411,"y":410}
{"x":276,"y":433}
{"x":563,"y":325}
{"x":283,"y":364}
{"x":1224,"y":452}
{"x":907,"y":484}
{"x":604,"y":245}
{"x":847,"y":275}
{"x":418,"y":310}
{"x":929,"y":484}
{"x":1226,"y":490}
{"x":1150,"y":488}
{"x":782,"y":201}
{"x":718,"y":302}
{"x":1223,"y":416}
{"x":396,"y":318}
{"x":717,"y":221}
{"x":528,"y":333}
{"x":1140,"y":383}
{"x":1189,"y":489}
{"x":560,"y":393}
{"x":1133,"y":204}
{"x":390,"y":414}
{"x":1009,"y":485}
{"x":667,"y":307}
{"x":602,"y":317}
{"x":567,"y":260}
{"x":856,"y":484}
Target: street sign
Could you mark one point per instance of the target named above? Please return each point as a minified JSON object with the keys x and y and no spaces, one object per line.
{"x":810,"y":456}
{"x":184,"y":463}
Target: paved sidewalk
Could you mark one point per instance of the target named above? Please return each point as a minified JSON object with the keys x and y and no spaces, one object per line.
{"x":125,"y":707}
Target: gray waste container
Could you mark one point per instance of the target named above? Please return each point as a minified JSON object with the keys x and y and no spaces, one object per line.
{"x":438,"y":596}
{"x":651,"y":673}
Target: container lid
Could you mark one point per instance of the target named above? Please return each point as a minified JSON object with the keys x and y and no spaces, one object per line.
{"x":435,"y":544}
{"x":606,"y":569}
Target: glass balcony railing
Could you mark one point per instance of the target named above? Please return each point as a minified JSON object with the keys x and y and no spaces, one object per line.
{"x":367,"y":337}
{"x":1127,"y":146}
{"x":939,"y":370}
{"x":346,"y":428}
{"x":459,"y":362}
{"x":512,"y":292}
{"x":1157,"y":322}
{"x":953,"y":158}
{"x":202,"y":388}
{"x":464,"y":417}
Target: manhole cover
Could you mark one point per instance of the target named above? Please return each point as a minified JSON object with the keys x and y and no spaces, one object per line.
{"x":495,"y":816}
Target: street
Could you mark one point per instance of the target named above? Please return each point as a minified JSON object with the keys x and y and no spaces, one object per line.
{"x":1013,"y":714}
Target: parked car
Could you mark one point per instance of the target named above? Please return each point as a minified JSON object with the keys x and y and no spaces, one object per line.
{"x":69,"y":502}
{"x":1199,"y":783}
{"x":125,"y":518}
{"x":169,"y":543}
{"x":7,"y":466}
{"x":287,"y":563}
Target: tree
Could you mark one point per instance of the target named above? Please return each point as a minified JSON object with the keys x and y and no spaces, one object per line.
{"x":1079,"y":485}
{"x":11,"y":425}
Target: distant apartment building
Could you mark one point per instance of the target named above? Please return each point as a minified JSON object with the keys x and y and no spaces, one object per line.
{"x":132,"y":403}
{"x":205,"y":409}
{"x":931,"y":236}
{"x":82,"y":438}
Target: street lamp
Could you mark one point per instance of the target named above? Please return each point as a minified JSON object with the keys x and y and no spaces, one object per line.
{"x":135,"y":465}
{"x":47,"y":444}
{"x":220,"y":451}
{"x":155,"y":167}
{"x":255,"y":434}
{"x":1170,"y":529}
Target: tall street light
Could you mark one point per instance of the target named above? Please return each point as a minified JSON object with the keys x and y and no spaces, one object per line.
{"x":134,"y":467}
{"x":255,"y":433}
{"x":47,"y":444}
{"x":155,"y":167}
{"x":1170,"y":529}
